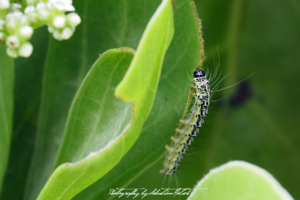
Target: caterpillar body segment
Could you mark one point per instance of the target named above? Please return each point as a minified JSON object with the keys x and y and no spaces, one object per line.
{"x":191,"y":125}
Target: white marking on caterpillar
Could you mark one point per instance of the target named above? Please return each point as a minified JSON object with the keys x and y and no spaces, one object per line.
{"x":191,"y":124}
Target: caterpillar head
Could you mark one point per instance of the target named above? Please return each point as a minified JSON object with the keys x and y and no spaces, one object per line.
{"x":199,"y":73}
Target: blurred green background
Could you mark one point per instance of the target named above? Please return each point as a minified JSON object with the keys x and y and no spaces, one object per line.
{"x":261,"y":126}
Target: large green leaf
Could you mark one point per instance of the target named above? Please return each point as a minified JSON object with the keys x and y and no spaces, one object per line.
{"x":239,"y":180}
{"x":6,"y":108}
{"x":96,"y":128}
{"x":262,"y":128}
{"x":256,"y":36}
{"x":100,"y":129}
{"x":182,"y":58}
{"x":162,"y":25}
{"x":104,"y":26}
{"x":27,"y":92}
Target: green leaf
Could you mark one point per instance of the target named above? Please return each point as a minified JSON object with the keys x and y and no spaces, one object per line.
{"x":104,"y":26}
{"x":252,"y":36}
{"x":262,"y":127}
{"x":96,"y":127}
{"x":239,"y":180}
{"x":182,"y":58}
{"x":27,"y":92}
{"x":6,"y":108}
{"x":100,"y":124}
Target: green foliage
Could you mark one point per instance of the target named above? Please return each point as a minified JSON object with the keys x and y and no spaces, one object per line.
{"x":6,"y":109}
{"x":171,"y":97}
{"x":55,"y":88}
{"x":239,"y":180}
{"x":263,"y":130}
{"x":97,"y":122}
{"x":100,"y":123}
{"x":28,"y":83}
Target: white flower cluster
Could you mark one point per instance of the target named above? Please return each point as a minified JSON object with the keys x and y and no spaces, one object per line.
{"x":4,"y":4}
{"x":15,"y":32}
{"x":52,"y":13}
{"x":17,"y":27}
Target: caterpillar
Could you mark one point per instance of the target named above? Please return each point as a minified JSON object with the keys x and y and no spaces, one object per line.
{"x":192,"y":123}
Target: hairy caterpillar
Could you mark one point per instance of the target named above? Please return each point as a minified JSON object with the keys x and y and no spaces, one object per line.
{"x":191,"y":124}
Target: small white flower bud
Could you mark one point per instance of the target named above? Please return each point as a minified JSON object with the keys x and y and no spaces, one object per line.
{"x":57,"y":35}
{"x":33,"y":18}
{"x":51,"y":29}
{"x":67,"y":33}
{"x":74,"y":19}
{"x":25,"y":50}
{"x":44,"y":16}
{"x":10,"y":23}
{"x":62,"y":5}
{"x":12,"y":52}
{"x":49,"y":5}
{"x":29,"y":9}
{"x":41,"y":5}
{"x":59,"y":22}
{"x":26,"y":32}
{"x":12,"y":42}
{"x":16,"y":7}
{"x":24,"y":20}
{"x":4,"y":4}
{"x":44,"y":13}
